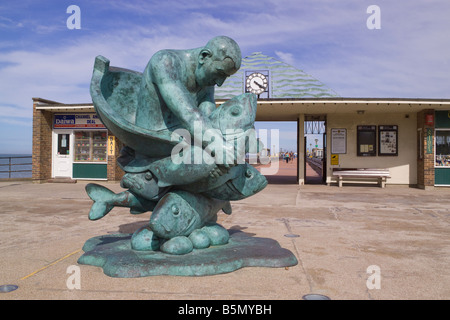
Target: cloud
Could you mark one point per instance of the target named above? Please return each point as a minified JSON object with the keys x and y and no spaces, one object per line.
{"x":405,"y":58}
{"x":15,"y":122}
{"x":63,"y":72}
{"x":286,"y":57}
{"x":7,"y":23}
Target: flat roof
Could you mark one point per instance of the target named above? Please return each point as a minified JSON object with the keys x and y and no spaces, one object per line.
{"x":289,"y":109}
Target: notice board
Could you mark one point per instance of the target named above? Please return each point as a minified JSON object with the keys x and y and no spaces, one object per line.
{"x":366,"y":141}
{"x":388,"y":140}
{"x":338,"y":141}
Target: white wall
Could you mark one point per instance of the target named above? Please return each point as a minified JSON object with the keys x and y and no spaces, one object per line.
{"x":403,"y":168}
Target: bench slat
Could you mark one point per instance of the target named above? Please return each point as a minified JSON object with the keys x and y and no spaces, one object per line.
{"x":362,"y":174}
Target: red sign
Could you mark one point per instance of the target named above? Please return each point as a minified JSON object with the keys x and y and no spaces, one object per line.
{"x":429,"y":120}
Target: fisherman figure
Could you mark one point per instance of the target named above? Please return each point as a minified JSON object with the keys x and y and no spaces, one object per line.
{"x":177,"y":91}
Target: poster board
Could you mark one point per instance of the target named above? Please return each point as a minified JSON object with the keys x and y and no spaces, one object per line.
{"x":387,"y":140}
{"x":366,"y":141}
{"x":338,"y":141}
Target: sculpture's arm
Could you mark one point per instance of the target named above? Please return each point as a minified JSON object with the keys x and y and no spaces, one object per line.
{"x":207,"y":102}
{"x":169,"y":75}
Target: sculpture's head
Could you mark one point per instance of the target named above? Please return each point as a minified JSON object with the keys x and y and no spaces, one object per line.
{"x":219,"y":59}
{"x":246,"y":182}
{"x":250,"y":183}
{"x":173,"y":216}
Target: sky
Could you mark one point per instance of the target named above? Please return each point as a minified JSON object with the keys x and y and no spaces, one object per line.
{"x":408,"y":57}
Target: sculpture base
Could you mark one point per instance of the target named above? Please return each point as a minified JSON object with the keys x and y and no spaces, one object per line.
{"x":113,"y":253}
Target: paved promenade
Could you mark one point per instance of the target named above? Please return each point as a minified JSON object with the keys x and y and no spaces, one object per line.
{"x":397,"y":238}
{"x":287,"y":173}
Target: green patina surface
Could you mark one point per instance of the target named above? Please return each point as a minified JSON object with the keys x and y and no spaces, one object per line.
{"x":114,"y":254}
{"x":171,"y":106}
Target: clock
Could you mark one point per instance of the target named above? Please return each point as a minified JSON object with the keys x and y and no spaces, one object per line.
{"x":256,"y":83}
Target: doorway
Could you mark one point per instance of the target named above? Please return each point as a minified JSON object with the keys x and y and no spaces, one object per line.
{"x":315,"y":149}
{"x":281,"y":143}
{"x":62,"y":154}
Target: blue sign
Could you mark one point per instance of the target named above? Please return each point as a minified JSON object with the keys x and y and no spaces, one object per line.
{"x":61,"y":121}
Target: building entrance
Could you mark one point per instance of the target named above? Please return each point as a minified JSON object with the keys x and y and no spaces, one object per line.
{"x":315,"y":149}
{"x":280,"y":140}
{"x":62,"y":155}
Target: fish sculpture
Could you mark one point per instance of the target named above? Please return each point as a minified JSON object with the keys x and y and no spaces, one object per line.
{"x":241,"y":182}
{"x":186,"y":220}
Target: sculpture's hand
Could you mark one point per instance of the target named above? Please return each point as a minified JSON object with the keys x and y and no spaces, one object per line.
{"x":228,"y":156}
{"x":217,"y":172}
{"x":224,"y":163}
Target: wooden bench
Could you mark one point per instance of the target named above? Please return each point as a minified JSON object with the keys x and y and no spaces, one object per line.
{"x":362,"y":173}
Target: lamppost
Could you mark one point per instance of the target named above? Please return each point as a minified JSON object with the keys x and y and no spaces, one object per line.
{"x":317,"y":151}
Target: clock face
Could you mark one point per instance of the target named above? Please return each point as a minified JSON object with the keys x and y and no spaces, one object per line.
{"x":256,"y":83}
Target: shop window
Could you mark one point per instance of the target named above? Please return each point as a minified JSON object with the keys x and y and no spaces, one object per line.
{"x":90,"y":146}
{"x":442,"y":148}
{"x":366,"y":141}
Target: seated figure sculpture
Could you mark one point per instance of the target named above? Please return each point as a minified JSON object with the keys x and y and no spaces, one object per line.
{"x":182,"y":156}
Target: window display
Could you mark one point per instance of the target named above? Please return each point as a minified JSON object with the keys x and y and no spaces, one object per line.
{"x":442,"y":148}
{"x":90,"y":146}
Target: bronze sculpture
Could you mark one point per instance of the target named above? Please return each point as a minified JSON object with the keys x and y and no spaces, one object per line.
{"x":184,"y":158}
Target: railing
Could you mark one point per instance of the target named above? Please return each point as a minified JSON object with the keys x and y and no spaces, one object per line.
{"x":316,"y":164}
{"x":12,"y":163}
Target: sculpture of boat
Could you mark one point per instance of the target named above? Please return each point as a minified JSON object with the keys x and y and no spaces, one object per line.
{"x":114,"y":94}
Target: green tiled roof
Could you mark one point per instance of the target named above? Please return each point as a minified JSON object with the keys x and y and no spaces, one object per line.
{"x":285,"y":81}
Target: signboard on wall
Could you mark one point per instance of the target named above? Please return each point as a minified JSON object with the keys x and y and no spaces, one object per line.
{"x":77,"y":121}
{"x":111,"y":145}
{"x":388,"y":140}
{"x":338,"y":141}
{"x":334,"y":160}
{"x":366,"y":141}
{"x":430,"y":143}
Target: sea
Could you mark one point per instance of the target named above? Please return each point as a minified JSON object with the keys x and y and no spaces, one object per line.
{"x":18,"y":163}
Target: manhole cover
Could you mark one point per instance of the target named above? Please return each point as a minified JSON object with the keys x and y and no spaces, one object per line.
{"x":8,"y":288}
{"x":291,"y":235}
{"x":314,"y":296}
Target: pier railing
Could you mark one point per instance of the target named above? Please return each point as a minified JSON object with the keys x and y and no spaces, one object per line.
{"x":19,"y":164}
{"x":316,"y":164}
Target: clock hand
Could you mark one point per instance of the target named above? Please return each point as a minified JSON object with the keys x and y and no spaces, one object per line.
{"x":260,"y":85}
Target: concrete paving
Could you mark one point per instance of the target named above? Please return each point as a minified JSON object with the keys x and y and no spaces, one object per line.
{"x":360,"y":242}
